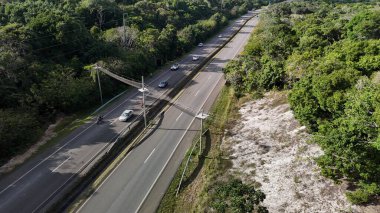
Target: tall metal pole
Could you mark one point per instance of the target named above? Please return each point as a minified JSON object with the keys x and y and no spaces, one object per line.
{"x":143,"y":101}
{"x":200,"y":135}
{"x":100,"y":87}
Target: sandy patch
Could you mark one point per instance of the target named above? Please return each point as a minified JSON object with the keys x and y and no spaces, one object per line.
{"x":269,"y":147}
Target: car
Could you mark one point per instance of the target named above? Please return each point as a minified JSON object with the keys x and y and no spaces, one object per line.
{"x":200,"y":45}
{"x":174,"y":67}
{"x":195,"y":57}
{"x":126,"y":115}
{"x":162,"y":84}
{"x":219,"y":36}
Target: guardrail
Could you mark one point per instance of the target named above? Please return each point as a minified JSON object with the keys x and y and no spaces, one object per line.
{"x":128,"y":136}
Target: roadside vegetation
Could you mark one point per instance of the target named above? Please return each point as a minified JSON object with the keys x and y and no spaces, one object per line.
{"x":45,"y":45}
{"x":207,"y":186}
{"x":327,"y":54}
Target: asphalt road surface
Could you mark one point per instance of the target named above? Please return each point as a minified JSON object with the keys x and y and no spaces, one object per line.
{"x":40,"y":181}
{"x":138,"y":183}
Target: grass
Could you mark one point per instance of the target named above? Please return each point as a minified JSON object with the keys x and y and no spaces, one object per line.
{"x":194,"y":196}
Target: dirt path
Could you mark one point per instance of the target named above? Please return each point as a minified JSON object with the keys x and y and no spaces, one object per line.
{"x":270,"y":148}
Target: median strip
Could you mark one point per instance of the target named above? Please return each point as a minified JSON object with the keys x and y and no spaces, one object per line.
{"x":107,"y":163}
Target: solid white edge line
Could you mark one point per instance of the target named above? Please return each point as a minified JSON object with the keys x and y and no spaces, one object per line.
{"x":65,"y":144}
{"x":88,"y":161}
{"x":42,"y":203}
{"x":175,"y":149}
{"x":103,"y":182}
{"x":122,"y":161}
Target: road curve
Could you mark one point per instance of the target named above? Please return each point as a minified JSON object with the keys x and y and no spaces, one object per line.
{"x":138,"y":183}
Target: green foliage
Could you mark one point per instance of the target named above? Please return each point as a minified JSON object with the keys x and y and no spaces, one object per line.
{"x":235,"y":196}
{"x":364,"y":25}
{"x":44,"y":46}
{"x":363,"y":194}
{"x":18,"y":129}
{"x":61,"y":91}
{"x":326,"y":53}
{"x":271,"y":74}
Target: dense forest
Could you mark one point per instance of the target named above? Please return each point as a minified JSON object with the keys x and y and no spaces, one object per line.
{"x":327,"y":54}
{"x":45,"y":46}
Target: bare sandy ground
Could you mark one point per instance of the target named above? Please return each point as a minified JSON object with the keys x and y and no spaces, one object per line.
{"x":270,"y":148}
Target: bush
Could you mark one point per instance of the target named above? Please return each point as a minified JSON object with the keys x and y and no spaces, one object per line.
{"x":363,"y":194}
{"x":235,"y":196}
{"x":17,"y":131}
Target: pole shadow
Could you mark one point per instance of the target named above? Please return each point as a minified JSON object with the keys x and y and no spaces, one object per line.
{"x":201,"y":158}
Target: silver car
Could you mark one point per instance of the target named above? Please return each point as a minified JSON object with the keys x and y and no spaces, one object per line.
{"x":174,"y":67}
{"x":126,"y":115}
{"x":195,"y":58}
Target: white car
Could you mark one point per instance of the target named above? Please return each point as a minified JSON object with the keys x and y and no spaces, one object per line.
{"x":219,"y":36}
{"x":200,"y":45}
{"x":125,"y":115}
{"x":195,"y":57}
{"x":174,"y":67}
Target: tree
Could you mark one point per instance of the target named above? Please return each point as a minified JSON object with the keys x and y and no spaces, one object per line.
{"x":365,"y":25}
{"x":236,"y":196}
{"x":168,"y":42}
{"x":18,"y":130}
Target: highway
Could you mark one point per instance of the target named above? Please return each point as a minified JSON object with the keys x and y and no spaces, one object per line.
{"x":138,"y":183}
{"x":39,"y":182}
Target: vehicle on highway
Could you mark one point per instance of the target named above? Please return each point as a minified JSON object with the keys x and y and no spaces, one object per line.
{"x":195,"y":57}
{"x":162,"y":84}
{"x":99,"y":119}
{"x":125,"y":115}
{"x":174,"y":67}
{"x":200,"y":45}
{"x":219,"y":36}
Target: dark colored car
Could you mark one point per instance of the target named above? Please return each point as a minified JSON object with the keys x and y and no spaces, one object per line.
{"x":163,"y":84}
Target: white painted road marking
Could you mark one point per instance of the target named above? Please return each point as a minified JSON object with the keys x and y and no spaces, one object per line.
{"x":196,"y":93}
{"x":179,"y":116}
{"x":149,"y":155}
{"x":61,"y":164}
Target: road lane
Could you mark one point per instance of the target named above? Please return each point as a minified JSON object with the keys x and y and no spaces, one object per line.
{"x":126,"y":189}
{"x":36,"y":182}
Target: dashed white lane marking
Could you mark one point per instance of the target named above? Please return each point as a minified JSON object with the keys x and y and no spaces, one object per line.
{"x":179,"y":116}
{"x":149,"y":155}
{"x":61,"y":164}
